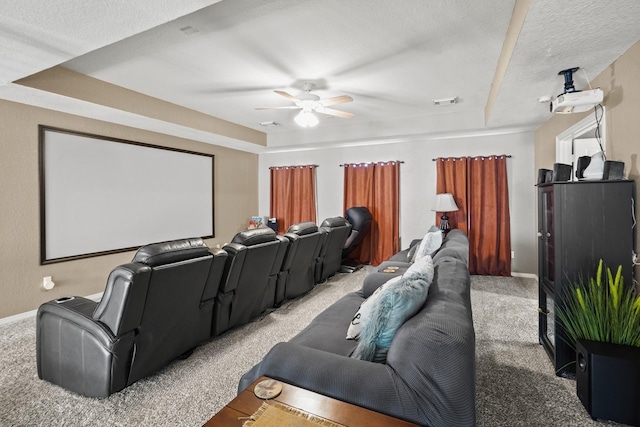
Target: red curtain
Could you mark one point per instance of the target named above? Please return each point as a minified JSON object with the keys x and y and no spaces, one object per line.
{"x":479,"y":187}
{"x":293,"y":195}
{"x":375,"y":186}
{"x":452,"y":178}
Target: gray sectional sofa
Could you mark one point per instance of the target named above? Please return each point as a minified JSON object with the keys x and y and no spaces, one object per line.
{"x":429,"y":374}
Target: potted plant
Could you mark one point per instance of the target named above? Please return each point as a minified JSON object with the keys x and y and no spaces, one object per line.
{"x":602,"y":319}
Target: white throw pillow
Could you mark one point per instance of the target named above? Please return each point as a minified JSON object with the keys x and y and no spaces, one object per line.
{"x":364,"y":312}
{"x":429,"y":244}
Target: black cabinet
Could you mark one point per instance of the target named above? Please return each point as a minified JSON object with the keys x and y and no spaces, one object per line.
{"x":579,"y":223}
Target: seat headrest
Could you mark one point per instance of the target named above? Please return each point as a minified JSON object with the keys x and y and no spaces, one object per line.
{"x":254,"y":236}
{"x":337,"y":221}
{"x":359,"y":216}
{"x":303,"y":228}
{"x":172,"y":251}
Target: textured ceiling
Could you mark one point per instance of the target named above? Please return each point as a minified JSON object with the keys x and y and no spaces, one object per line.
{"x":392,"y":57}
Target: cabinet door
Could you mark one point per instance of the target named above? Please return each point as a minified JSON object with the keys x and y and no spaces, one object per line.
{"x":593,"y":221}
{"x":547,"y":322}
{"x":546,"y":238}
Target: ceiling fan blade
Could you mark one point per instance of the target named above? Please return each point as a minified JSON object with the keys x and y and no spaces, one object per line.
{"x":336,"y":100}
{"x":286,"y":95}
{"x":337,"y":113}
{"x":288,"y":107}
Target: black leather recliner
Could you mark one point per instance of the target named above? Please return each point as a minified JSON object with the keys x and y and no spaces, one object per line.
{"x":336,"y":231}
{"x":252,"y":269}
{"x":361,"y":220}
{"x":153,"y":310}
{"x":299,"y":269}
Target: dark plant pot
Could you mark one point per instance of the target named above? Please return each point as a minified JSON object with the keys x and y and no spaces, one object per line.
{"x":608,"y":381}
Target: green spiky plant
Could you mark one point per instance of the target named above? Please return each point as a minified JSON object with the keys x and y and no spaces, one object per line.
{"x":601,"y":309}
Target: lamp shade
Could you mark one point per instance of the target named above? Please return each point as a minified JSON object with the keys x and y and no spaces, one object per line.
{"x":444,"y":203}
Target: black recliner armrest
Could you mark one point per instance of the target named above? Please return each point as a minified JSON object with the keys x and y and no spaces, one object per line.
{"x":126,"y":285}
{"x":79,"y":311}
{"x":67,"y":324}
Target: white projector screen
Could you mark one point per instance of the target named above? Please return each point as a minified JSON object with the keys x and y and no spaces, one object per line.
{"x":101,"y":195}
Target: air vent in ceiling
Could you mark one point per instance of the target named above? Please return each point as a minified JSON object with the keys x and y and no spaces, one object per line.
{"x":445,"y":101}
{"x":188,"y":30}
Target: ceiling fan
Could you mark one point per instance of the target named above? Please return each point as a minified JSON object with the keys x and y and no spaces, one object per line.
{"x":310,"y":103}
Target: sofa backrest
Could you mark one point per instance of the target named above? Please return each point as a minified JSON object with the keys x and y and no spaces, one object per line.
{"x":437,"y":345}
{"x":455,"y":244}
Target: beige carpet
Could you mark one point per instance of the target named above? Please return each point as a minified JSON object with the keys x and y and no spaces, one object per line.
{"x":515,"y":381}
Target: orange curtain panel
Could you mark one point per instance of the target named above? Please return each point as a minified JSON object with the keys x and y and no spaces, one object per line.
{"x":293,"y":195}
{"x":358,"y":191}
{"x":452,"y":178}
{"x":375,"y":186}
{"x":384,"y":241}
{"x":479,"y":187}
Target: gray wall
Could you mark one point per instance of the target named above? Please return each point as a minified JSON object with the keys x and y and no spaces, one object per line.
{"x":418,"y":182}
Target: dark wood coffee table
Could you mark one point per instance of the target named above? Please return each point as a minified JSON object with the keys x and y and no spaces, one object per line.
{"x":246,"y":403}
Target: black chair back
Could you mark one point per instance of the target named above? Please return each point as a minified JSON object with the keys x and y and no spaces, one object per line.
{"x":299,"y":271}
{"x":248,"y":285}
{"x":336,"y":231}
{"x":360,"y":219}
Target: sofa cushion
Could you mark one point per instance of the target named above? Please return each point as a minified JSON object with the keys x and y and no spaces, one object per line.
{"x":325,"y":333}
{"x":398,"y":301}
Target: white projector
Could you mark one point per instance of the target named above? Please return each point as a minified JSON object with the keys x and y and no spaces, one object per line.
{"x":576,"y":102}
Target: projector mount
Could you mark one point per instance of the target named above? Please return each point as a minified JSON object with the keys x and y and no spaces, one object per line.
{"x":568,"y":79}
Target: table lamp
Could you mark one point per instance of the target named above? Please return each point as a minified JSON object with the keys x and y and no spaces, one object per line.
{"x":444,"y":203}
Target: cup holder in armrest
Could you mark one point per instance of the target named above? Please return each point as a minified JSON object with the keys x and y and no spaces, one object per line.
{"x":64,"y":299}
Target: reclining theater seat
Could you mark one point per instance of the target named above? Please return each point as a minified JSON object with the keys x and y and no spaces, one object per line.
{"x":251,"y":271}
{"x":336,"y":231}
{"x":360,"y":219}
{"x":299,"y":269}
{"x":153,"y":310}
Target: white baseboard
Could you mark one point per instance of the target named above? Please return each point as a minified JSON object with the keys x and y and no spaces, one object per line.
{"x":527,"y":275}
{"x":32,"y":313}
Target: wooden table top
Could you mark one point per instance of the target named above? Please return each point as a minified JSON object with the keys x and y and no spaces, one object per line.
{"x":246,"y":403}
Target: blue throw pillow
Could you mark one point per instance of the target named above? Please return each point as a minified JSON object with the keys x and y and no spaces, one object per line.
{"x":363,"y":315}
{"x":399,"y":302}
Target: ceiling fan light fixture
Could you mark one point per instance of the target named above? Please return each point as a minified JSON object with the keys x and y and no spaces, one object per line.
{"x":306,"y":119}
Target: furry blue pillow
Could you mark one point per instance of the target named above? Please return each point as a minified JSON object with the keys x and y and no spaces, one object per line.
{"x":363,"y":315}
{"x":424,"y":264}
{"x":399,"y":302}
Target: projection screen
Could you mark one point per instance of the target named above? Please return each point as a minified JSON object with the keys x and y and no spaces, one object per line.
{"x":102,"y":195}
